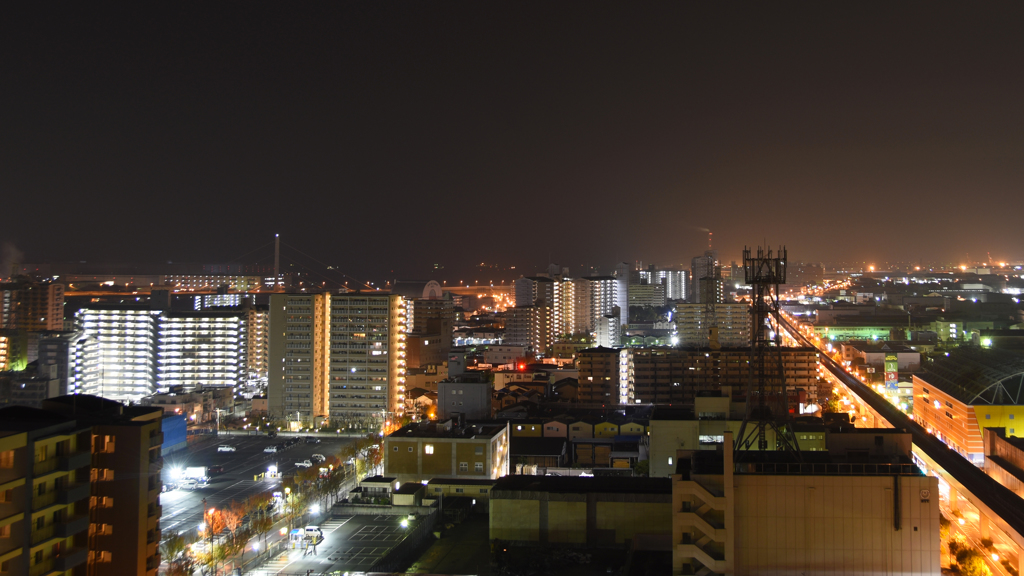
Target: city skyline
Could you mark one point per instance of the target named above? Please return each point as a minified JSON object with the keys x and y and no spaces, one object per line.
{"x":393,"y":139}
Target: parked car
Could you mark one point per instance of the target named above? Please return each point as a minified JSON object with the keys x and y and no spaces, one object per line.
{"x":318,"y":458}
{"x":312,"y":440}
{"x":225,"y":448}
{"x":272,"y":434}
{"x":215,"y":470}
{"x":303,"y":464}
{"x":270,"y":449}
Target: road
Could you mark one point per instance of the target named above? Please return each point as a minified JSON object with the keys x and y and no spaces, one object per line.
{"x":182,"y":509}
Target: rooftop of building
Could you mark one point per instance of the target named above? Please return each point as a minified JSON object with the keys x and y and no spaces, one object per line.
{"x":448,"y":429}
{"x":784,"y":463}
{"x":23,"y":419}
{"x":94,"y":409}
{"x":409,"y":488}
{"x":466,"y":481}
{"x":878,"y":346}
{"x":578,"y":485}
{"x":978,"y":376}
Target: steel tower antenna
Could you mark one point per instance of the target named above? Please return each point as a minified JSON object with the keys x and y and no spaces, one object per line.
{"x":767,"y":424}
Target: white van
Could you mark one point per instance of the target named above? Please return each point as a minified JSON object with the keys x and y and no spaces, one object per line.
{"x":313,"y":532}
{"x":270,"y":449}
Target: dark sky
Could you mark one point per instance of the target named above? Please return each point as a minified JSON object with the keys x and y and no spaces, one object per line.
{"x":385,"y":136}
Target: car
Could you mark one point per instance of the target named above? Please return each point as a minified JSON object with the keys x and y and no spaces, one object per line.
{"x":225,"y":448}
{"x":270,"y":449}
{"x":215,"y":470}
{"x":312,"y":440}
{"x":272,"y":434}
{"x":318,"y":458}
{"x":190,"y":484}
{"x":303,"y":464}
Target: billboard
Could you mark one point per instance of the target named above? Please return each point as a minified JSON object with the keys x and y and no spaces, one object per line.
{"x":891,"y":371}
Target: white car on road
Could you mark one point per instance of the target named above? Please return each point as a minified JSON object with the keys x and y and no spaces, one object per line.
{"x":304,"y":464}
{"x":270,"y":449}
{"x":225,"y":448}
{"x":318,"y":458}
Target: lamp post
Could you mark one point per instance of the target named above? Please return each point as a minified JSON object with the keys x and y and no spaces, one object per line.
{"x":288,"y":497}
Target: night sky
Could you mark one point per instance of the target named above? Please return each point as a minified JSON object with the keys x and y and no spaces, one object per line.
{"x":386,"y":136}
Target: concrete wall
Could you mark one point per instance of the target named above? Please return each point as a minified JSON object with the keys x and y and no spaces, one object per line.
{"x":836,"y":525}
{"x":584,"y":519}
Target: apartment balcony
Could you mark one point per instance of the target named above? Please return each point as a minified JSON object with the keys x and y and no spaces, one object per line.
{"x":156,"y":440}
{"x":71,"y":526}
{"x":75,"y":460}
{"x":69,"y":559}
{"x":73,"y":493}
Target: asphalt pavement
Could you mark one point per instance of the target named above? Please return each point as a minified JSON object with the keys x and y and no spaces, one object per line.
{"x":182,"y":509}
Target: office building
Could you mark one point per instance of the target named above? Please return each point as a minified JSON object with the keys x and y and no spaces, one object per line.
{"x":340,"y":356}
{"x":425,"y":450}
{"x":732,"y":320}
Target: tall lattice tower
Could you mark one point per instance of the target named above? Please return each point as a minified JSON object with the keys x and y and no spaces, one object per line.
{"x":767,"y":424}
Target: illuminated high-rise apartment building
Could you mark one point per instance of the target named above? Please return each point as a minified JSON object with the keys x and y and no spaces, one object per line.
{"x":594,"y":297}
{"x":196,"y":349}
{"x":127,"y":352}
{"x":32,"y":306}
{"x":118,"y":360}
{"x":258,"y":333}
{"x":339,"y":356}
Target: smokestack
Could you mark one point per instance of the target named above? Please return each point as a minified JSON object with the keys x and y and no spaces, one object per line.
{"x":277,"y":258}
{"x":709,"y":240}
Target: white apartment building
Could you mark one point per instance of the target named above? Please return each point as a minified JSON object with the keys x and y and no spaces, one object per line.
{"x":118,"y":358}
{"x":201,"y":349}
{"x":594,"y":297}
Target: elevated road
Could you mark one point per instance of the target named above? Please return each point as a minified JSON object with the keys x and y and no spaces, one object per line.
{"x":995,"y":502}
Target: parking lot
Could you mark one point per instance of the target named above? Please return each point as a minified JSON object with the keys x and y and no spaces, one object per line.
{"x":240,"y":476}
